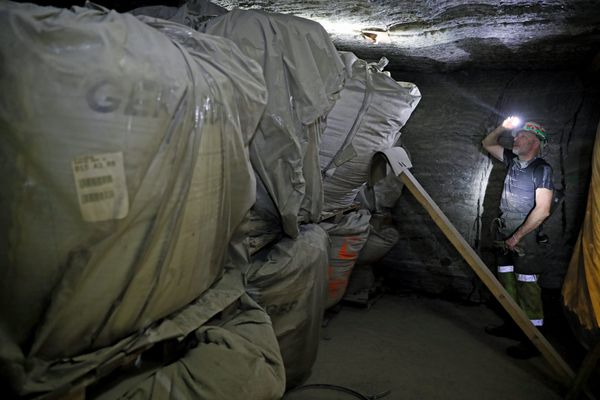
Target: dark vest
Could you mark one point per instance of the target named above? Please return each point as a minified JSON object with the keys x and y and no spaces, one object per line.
{"x":520,"y":184}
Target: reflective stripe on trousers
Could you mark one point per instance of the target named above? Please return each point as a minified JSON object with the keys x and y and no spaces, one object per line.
{"x":503,"y":269}
{"x":527,"y":278}
{"x":524,"y":290}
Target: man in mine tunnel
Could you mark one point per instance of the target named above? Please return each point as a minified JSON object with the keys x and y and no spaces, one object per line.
{"x":525,"y":203}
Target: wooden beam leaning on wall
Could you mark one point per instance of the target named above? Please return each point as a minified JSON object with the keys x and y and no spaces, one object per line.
{"x":397,"y":158}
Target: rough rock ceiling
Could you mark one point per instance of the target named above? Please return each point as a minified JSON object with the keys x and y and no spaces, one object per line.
{"x":451,"y":34}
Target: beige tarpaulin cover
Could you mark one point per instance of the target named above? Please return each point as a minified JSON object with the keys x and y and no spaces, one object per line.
{"x":289,"y":280}
{"x":581,"y":288}
{"x":125,"y":171}
{"x":193,"y":13}
{"x":44,"y":375}
{"x":304,"y":75}
{"x":367,"y":118}
{"x":347,"y":238}
{"x":236,"y":358}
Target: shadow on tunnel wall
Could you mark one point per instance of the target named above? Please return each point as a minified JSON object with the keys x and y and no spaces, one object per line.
{"x":443,"y":136}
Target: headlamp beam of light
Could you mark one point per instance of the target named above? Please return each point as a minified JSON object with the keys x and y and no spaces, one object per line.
{"x":337,"y":27}
{"x":512,"y":122}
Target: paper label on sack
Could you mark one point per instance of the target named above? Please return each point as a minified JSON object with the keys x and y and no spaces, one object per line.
{"x":101,"y":186}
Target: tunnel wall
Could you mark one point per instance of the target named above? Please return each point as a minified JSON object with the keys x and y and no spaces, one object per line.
{"x":444,"y":139}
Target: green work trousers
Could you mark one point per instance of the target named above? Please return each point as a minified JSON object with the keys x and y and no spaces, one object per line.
{"x":518,"y":271}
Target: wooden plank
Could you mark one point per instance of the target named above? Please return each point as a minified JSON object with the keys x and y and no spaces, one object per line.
{"x":563,"y":371}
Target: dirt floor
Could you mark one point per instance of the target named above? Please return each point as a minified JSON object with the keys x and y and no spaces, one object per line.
{"x":422,"y":348}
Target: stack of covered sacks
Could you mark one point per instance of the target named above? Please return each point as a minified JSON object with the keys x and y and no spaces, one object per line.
{"x":233,"y":356}
{"x":193,"y":13}
{"x":379,"y":196}
{"x":289,"y":280}
{"x":347,"y":238}
{"x":367,"y":118}
{"x":304,"y":75}
{"x":125,"y":171}
{"x":581,"y":289}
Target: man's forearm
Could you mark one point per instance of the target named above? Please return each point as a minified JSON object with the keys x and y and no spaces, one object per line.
{"x":541,"y":211}
{"x":492,"y":138}
{"x":490,"y":143}
{"x":535,"y":219}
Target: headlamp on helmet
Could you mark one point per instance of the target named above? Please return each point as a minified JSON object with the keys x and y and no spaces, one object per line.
{"x":535,"y":128}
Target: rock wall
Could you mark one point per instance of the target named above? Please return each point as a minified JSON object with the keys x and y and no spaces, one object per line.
{"x":444,"y":137}
{"x":454,"y":34}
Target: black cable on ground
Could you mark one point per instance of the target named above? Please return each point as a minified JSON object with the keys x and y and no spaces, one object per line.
{"x":339,"y":388}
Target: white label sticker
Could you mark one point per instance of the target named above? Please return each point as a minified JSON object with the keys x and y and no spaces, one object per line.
{"x":101,"y":186}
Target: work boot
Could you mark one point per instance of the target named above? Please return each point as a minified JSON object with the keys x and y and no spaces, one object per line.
{"x":523,"y":351}
{"x":505,"y":330}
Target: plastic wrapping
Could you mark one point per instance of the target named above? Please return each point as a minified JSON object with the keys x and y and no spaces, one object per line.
{"x":382,"y":237}
{"x":235,"y":358}
{"x":289,"y":280}
{"x":379,"y":196}
{"x":581,"y":288}
{"x":304,"y":75}
{"x":347,"y":239}
{"x":127,"y":170}
{"x":367,"y":118}
{"x":194,"y":13}
{"x":43,"y":375}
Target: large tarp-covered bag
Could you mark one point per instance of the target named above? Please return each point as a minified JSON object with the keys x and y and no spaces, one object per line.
{"x":304,"y":75}
{"x":194,"y":13}
{"x":125,"y":171}
{"x":59,"y":376}
{"x":235,"y":357}
{"x":379,"y":196}
{"x":289,"y":280}
{"x":581,"y":288}
{"x":382,"y":237}
{"x":347,"y":237}
{"x":367,"y":118}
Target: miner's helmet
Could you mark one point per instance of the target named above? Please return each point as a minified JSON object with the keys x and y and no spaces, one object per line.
{"x":535,"y":128}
